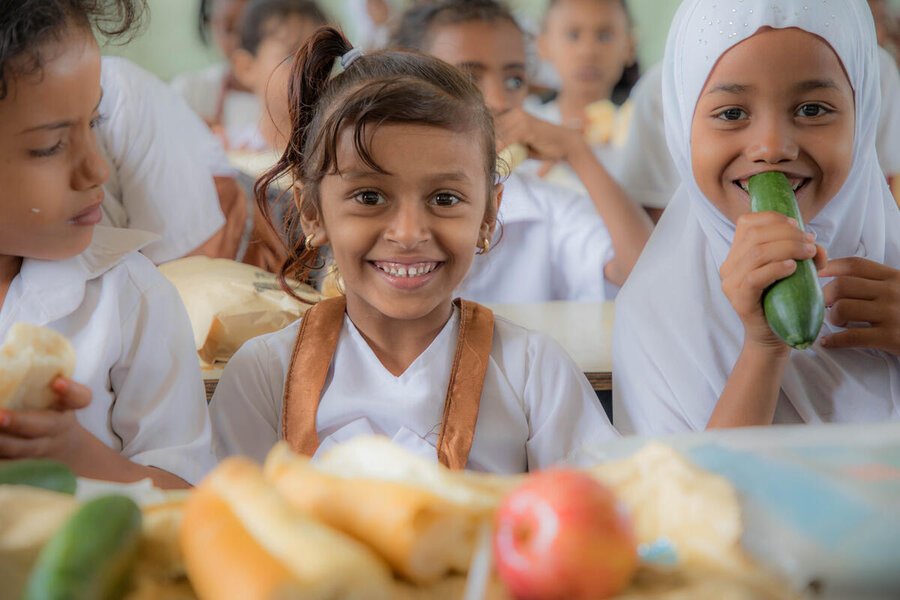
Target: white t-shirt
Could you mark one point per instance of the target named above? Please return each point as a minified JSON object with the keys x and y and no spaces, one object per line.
{"x":648,"y":174}
{"x":536,"y":407}
{"x":238,"y":112}
{"x":554,"y":246}
{"x":161,"y":159}
{"x":134,"y":349}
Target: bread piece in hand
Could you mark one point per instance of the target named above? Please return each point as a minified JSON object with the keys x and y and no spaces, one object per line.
{"x":30,"y":360}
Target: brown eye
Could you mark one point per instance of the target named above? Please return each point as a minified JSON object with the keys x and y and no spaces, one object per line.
{"x":369,"y":198}
{"x":731,"y":114}
{"x":812,"y":110}
{"x":444,"y":200}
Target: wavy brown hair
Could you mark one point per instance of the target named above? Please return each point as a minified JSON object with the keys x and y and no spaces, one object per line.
{"x":383,"y":87}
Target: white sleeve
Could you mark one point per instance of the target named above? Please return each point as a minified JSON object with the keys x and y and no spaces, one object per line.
{"x":160,"y":410}
{"x":888,"y":140}
{"x":647,"y":172}
{"x":161,"y":154}
{"x":563,"y":412}
{"x":246,"y":407}
{"x":582,"y":247}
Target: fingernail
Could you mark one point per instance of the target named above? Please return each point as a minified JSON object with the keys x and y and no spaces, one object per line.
{"x":824,"y":341}
{"x":60,"y":385}
{"x":789,"y":263}
{"x":809,"y":237}
{"x":793,"y":222}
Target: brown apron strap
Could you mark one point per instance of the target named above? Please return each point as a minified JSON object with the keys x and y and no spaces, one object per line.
{"x":316,"y":342}
{"x":473,"y":352}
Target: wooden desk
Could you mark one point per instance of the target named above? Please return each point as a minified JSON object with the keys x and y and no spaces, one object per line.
{"x":584,"y":329}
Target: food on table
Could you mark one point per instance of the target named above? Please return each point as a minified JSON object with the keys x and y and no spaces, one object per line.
{"x":39,"y":472}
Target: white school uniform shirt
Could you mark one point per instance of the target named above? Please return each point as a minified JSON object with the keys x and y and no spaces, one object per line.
{"x":133,"y":345}
{"x":161,"y":158}
{"x":536,"y":407}
{"x":550,"y":244}
{"x":203,"y":90}
{"x":676,"y":336}
{"x":647,"y":172}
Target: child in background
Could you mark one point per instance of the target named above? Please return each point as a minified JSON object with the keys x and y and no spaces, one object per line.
{"x":138,"y":410}
{"x":556,"y":244}
{"x":395,"y":165}
{"x":215,"y":93}
{"x":790,"y":87}
{"x":271,"y":31}
{"x":590,"y":45}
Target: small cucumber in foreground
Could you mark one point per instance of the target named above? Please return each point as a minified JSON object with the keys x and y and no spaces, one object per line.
{"x":794,"y":306}
{"x":91,"y":556}
{"x":39,"y":472}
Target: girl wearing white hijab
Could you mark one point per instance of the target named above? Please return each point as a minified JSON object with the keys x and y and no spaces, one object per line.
{"x":752,"y":86}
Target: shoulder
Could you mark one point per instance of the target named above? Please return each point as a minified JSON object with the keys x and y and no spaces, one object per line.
{"x":519,"y":347}
{"x":267,"y":350}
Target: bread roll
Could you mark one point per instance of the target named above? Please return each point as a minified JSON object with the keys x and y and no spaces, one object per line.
{"x":30,"y":360}
{"x":510,"y":157}
{"x":423,"y":535}
{"x":240,"y":540}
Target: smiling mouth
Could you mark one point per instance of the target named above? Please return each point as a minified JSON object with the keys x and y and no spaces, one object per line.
{"x":797,"y":183}
{"x":406,"y":271}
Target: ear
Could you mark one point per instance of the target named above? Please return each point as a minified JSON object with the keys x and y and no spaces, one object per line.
{"x":310,"y":219}
{"x":243,"y":66}
{"x":489,"y":223}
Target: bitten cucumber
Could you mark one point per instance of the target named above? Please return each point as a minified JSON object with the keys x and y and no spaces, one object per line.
{"x":91,"y":556}
{"x":794,"y":306}
{"x":39,"y":472}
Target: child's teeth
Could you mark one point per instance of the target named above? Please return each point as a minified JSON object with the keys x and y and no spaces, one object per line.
{"x":408,"y":271}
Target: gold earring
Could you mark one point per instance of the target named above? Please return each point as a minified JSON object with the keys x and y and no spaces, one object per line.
{"x":485,"y":247}
{"x":307,"y":242}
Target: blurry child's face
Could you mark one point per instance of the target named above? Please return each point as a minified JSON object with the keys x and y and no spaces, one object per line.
{"x":282,"y":40}
{"x":778,"y":101}
{"x":50,"y":171}
{"x":225,"y":23}
{"x":404,"y":240}
{"x":589,"y":44}
{"x":493,"y":54}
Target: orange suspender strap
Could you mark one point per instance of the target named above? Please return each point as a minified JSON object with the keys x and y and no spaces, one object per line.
{"x":316,"y":342}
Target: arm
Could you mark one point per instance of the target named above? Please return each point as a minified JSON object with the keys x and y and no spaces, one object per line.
{"x":628,"y":225}
{"x":765,"y":248}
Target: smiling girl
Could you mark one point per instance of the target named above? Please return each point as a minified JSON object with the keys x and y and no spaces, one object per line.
{"x":794,"y":88}
{"x":138,"y":410}
{"x":396,"y":173}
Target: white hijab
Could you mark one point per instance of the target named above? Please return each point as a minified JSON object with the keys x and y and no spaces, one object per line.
{"x":676,"y":336}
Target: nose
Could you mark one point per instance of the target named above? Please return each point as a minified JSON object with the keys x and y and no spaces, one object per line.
{"x":408,"y":225}
{"x":772,"y":142}
{"x":91,"y":170}
{"x":496,"y":95}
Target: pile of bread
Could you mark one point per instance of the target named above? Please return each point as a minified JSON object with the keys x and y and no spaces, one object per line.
{"x":368,"y":520}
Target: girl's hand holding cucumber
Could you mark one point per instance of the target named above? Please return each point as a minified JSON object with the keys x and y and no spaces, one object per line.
{"x":766,"y":248}
{"x":863,"y":291}
{"x":52,"y":433}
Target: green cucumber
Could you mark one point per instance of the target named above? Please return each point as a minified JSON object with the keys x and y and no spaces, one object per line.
{"x":39,"y":472}
{"x":794,"y":306}
{"x":91,"y":556}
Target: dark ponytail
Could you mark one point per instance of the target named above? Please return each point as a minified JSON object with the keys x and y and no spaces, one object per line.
{"x":379,"y":88}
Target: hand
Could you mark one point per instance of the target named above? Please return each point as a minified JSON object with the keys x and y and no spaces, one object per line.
{"x":545,"y":141}
{"x":765,"y":249}
{"x":863,"y":291}
{"x":51,"y":433}
{"x":378,"y":10}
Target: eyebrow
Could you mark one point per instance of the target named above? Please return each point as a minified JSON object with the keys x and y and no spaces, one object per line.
{"x":730,"y":88}
{"x":59,"y":124}
{"x":815,"y":84}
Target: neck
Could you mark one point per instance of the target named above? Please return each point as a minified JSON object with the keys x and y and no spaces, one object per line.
{"x":572,"y":103}
{"x":9,"y":268}
{"x":397,"y":342}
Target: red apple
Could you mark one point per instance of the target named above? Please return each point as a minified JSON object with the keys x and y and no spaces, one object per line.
{"x":561,"y":534}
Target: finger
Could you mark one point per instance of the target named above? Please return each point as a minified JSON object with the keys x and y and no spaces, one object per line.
{"x":755,"y":234}
{"x":31,"y":423}
{"x":775,"y":252}
{"x":821,"y":258}
{"x":851,"y":287}
{"x":858,"y":337}
{"x":765,"y":218}
{"x":72,"y":395}
{"x":857,"y":311}
{"x":16,"y":447}
{"x":857,"y":266}
{"x":545,"y":167}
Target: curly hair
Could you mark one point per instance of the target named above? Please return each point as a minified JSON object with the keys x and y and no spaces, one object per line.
{"x":27,"y":25}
